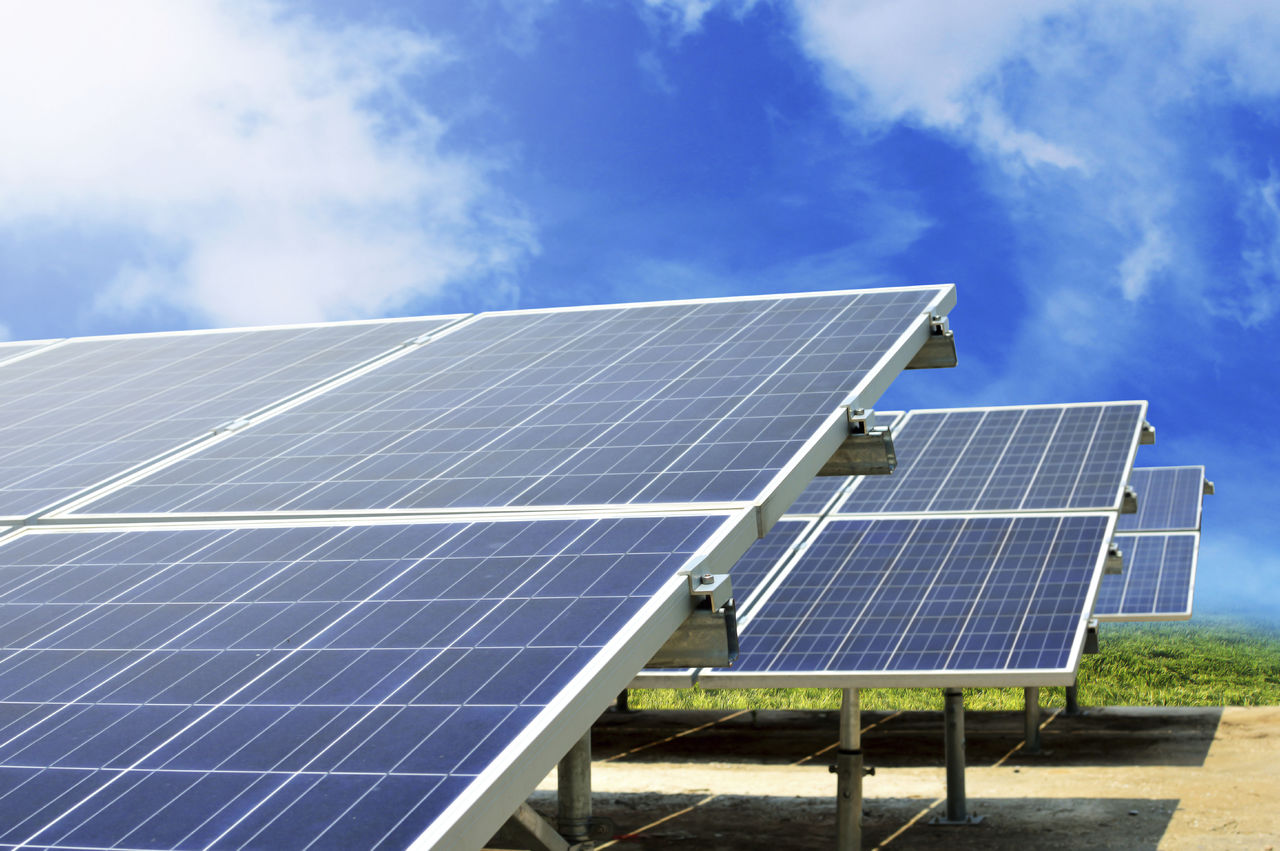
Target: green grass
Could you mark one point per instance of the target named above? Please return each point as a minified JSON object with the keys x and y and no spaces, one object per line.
{"x":1209,"y":661}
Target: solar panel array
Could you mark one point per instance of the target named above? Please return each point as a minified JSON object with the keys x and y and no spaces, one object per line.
{"x":894,"y":587}
{"x":275,"y":687}
{"x":925,"y":601}
{"x":1047,"y":457}
{"x":176,"y":677}
{"x":1169,"y":499}
{"x":634,"y":406}
{"x":85,"y":410}
{"x":1161,"y":552}
{"x":1157,"y":581}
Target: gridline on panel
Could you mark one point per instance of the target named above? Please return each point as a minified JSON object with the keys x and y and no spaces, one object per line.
{"x":1169,"y":499}
{"x":276,"y":687}
{"x":86,"y":410}
{"x":1005,"y":459}
{"x":929,"y":594}
{"x":1157,"y":577}
{"x":642,"y":404}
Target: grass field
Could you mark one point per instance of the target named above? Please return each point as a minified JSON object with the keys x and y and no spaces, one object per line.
{"x":1208,"y":661}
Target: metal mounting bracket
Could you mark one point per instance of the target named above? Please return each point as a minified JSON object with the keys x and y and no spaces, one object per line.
{"x":1207,"y":489}
{"x":1115,"y":560}
{"x":708,"y":638}
{"x":1091,"y":639}
{"x":1129,"y":502}
{"x":867,"y":451}
{"x":231,"y":425}
{"x":939,"y":350}
{"x":1147,"y":436}
{"x":527,"y":829}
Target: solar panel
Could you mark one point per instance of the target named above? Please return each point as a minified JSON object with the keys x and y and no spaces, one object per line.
{"x":639,"y":405}
{"x":316,"y":686}
{"x":85,"y":410}
{"x":1044,"y":457}
{"x":1169,"y":499}
{"x":1157,"y":581}
{"x":926,"y":600}
{"x":9,"y":351}
{"x":634,"y":405}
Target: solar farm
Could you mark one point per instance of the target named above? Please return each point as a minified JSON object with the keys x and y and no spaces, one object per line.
{"x":366,"y":584}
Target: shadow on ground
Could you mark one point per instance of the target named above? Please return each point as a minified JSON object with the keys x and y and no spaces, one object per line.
{"x":769,"y":823}
{"x":1112,"y":736}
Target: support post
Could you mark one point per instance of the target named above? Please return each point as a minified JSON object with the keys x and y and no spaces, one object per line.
{"x":953,"y":737}
{"x":622,"y":705}
{"x":1073,"y":700}
{"x":1031,"y":719}
{"x":849,"y":774}
{"x":573,"y":804}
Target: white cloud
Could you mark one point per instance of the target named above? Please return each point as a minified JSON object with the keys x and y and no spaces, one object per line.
{"x":687,"y":15}
{"x":273,"y":168}
{"x":1096,"y":125}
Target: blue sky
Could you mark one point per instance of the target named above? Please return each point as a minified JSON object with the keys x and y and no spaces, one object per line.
{"x":1099,"y":180}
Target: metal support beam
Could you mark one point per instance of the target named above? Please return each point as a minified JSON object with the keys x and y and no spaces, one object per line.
{"x":573,"y":805}
{"x":1031,"y":719}
{"x":848,"y":770}
{"x":1073,"y":700}
{"x":527,"y":829}
{"x":622,"y":704}
{"x":953,"y":736}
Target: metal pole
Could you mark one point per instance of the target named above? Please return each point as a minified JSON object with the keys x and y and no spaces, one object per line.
{"x":1031,"y":719}
{"x":849,"y":774}
{"x":1073,"y":700}
{"x":573,"y":805}
{"x":953,"y":719}
{"x":622,"y":705}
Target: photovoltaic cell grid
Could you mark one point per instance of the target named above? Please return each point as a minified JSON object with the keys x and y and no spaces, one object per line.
{"x":1169,"y":499}
{"x":278,"y":687}
{"x":1157,"y":581}
{"x":1005,"y":459}
{"x":86,"y":410}
{"x":645,"y":404}
{"x":925,"y":595}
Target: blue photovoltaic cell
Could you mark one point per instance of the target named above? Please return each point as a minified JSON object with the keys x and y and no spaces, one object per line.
{"x":763,"y":555}
{"x":817,"y":495}
{"x":644,"y":404}
{"x":1005,"y":459}
{"x":929,"y":594}
{"x":86,"y":410}
{"x":1156,"y":580}
{"x":1168,"y":499}
{"x":277,"y":687}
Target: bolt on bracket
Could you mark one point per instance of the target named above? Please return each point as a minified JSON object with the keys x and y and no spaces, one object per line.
{"x":1129,"y":502}
{"x":1147,"y":437}
{"x":708,"y":638}
{"x":866,"y":451}
{"x":939,"y":350}
{"x":1115,"y":560}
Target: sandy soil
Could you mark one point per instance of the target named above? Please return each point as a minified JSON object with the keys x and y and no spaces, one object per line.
{"x":1109,"y":778}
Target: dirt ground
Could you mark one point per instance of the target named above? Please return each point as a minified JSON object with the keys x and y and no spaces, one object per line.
{"x":1122,"y":778}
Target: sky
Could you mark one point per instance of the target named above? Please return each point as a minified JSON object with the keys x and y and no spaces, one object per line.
{"x":1100,"y":181}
